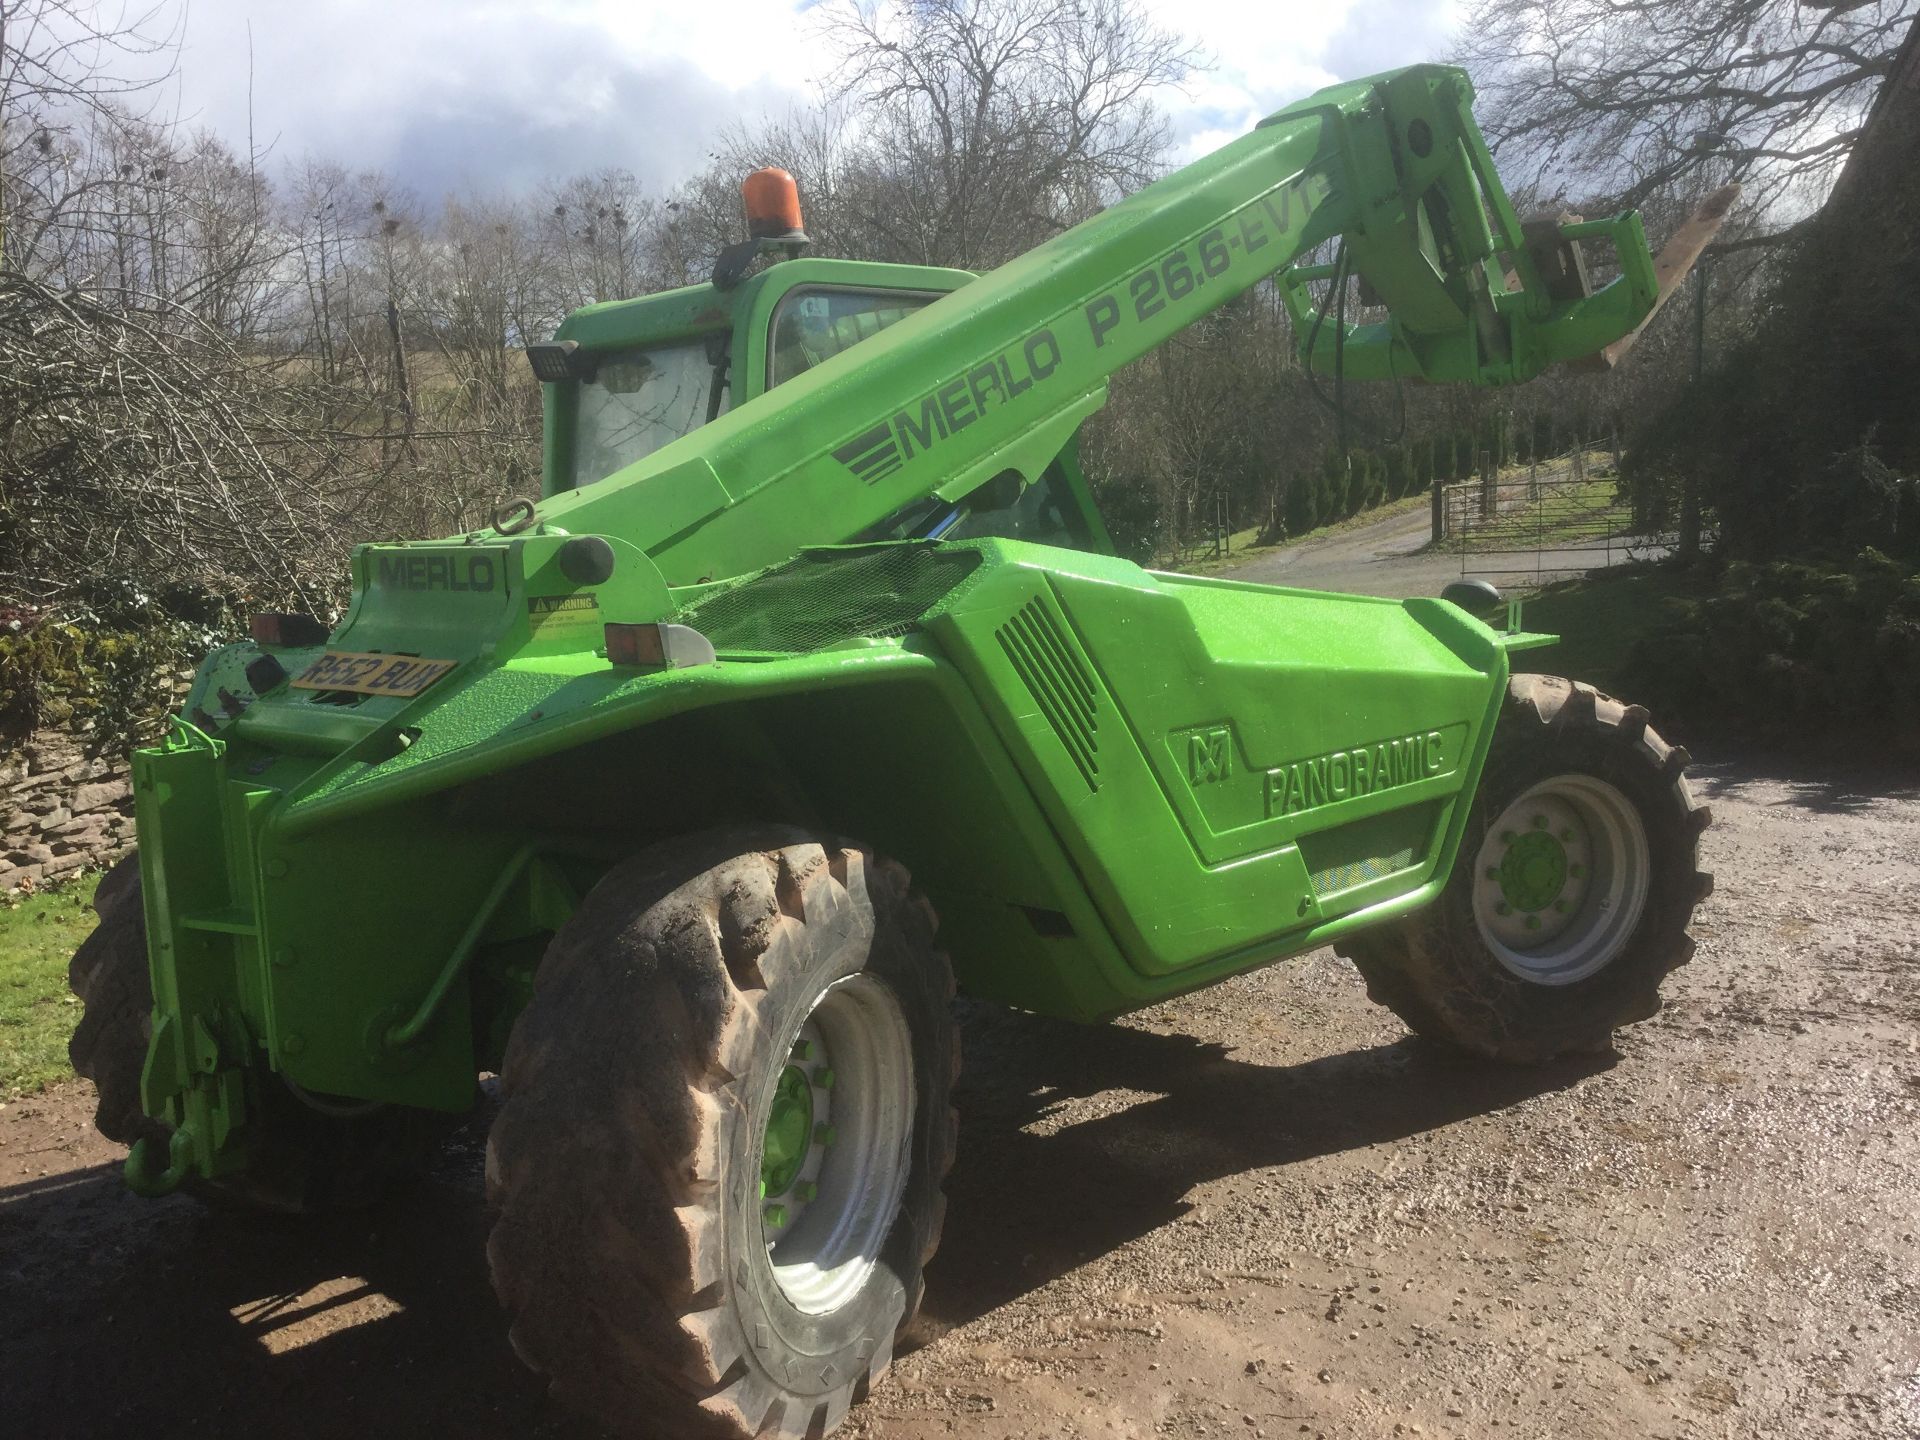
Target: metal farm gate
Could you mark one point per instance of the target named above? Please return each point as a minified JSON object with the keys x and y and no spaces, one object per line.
{"x":1551,"y":520}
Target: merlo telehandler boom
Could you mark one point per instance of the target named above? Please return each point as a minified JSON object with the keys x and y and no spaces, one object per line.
{"x":997,"y":376}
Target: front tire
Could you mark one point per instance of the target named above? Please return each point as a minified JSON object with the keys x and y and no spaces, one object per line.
{"x":1571,"y":894}
{"x":717,"y":1167}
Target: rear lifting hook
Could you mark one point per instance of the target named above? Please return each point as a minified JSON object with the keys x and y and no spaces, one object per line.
{"x":510,"y":517}
{"x":140,"y":1175}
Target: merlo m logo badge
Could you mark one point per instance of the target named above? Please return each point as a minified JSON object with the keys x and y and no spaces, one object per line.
{"x":1209,"y":756}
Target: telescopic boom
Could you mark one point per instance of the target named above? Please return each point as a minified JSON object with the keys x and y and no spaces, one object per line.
{"x":997,"y":376}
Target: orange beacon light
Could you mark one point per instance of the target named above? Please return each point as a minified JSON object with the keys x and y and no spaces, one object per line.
{"x":773,"y":205}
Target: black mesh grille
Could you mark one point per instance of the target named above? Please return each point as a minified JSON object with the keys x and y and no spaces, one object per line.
{"x":825,"y":596}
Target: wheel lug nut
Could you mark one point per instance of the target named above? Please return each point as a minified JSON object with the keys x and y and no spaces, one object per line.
{"x":1533,"y":922}
{"x":1567,"y":835}
{"x":775,"y":1216}
{"x":1539,"y":822}
{"x":1576,"y":871}
{"x":803,"y":1050}
{"x":1504,"y":908}
{"x":806,"y":1190}
{"x":1559,"y":907}
{"x":823,"y":1077}
{"x":824,"y":1135}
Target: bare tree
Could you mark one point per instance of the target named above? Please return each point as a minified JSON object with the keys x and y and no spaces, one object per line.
{"x":1623,"y":100}
{"x":157,"y":453}
{"x":597,"y":230}
{"x":955,"y":132}
{"x":228,"y":380}
{"x":993,"y":123}
{"x":65,"y":67}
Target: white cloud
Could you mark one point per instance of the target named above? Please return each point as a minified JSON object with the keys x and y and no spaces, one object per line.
{"x":1267,"y":56}
{"x":454,"y":94}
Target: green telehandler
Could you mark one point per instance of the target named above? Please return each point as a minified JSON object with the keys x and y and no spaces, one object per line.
{"x":616,"y":796}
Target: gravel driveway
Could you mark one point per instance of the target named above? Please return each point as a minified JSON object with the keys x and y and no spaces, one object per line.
{"x":1259,"y":1211}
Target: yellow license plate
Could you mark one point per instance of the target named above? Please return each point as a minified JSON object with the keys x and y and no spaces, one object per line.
{"x":359,"y":674}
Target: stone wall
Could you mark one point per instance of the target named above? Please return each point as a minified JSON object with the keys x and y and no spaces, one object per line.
{"x":60,"y":811}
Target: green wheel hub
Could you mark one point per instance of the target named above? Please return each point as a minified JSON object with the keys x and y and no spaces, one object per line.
{"x":1560,"y":879}
{"x":1533,"y":872}
{"x":798,"y":1138}
{"x":836,"y":1150}
{"x":789,"y":1132}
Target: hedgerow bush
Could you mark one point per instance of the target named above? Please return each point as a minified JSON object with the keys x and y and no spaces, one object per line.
{"x":108,"y":664}
{"x":1792,"y":650}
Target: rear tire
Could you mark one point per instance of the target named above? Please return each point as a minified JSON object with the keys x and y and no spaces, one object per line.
{"x":299,"y":1160}
{"x":1570,"y":897}
{"x":109,"y":974}
{"x":660,"y":1098}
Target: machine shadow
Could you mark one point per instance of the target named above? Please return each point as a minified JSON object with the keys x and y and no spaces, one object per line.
{"x":120,"y":1316}
{"x":126,"y":1317}
{"x":1826,"y":785}
{"x":1030,"y":1200}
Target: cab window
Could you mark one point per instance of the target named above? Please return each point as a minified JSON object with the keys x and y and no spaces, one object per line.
{"x":815,"y":324}
{"x":638,"y":400}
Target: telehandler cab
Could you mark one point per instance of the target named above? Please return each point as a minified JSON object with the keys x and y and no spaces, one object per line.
{"x":616,"y":797}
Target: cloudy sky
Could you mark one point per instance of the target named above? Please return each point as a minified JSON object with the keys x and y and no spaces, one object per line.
{"x":485,"y":95}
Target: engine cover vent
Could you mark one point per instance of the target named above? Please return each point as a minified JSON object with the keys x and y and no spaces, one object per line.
{"x":1050,"y":664}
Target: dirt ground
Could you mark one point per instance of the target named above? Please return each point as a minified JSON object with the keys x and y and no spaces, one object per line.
{"x":1260,"y":1211}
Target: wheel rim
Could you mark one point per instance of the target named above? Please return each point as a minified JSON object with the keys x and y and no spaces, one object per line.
{"x":836,"y":1147}
{"x":1561,"y":879}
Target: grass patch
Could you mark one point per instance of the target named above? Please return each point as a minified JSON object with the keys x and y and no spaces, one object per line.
{"x":1600,"y":620}
{"x":38,"y":935}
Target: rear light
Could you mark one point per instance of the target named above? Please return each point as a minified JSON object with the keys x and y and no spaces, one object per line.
{"x":673,"y":646}
{"x":276,"y":629}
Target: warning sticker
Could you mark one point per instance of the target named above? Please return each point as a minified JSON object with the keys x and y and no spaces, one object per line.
{"x":547,"y":614}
